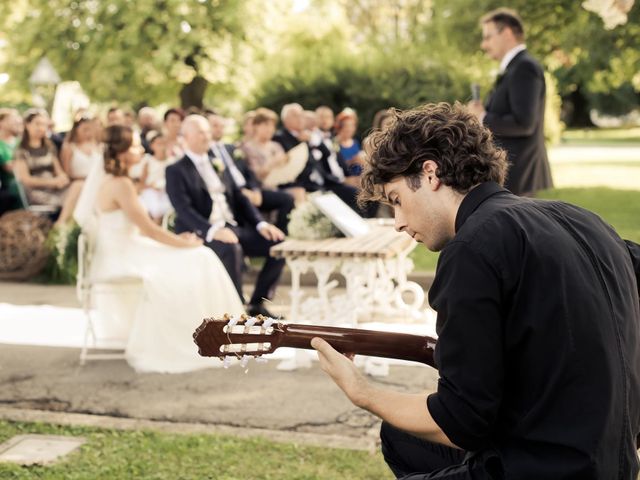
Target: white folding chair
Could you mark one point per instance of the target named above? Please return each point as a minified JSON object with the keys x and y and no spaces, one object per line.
{"x":96,"y":347}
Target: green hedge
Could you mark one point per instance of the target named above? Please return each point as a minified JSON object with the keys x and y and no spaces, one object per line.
{"x":366,"y":83}
{"x":394,"y":77}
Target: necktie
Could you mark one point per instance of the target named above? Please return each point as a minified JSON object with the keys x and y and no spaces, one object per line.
{"x":223,"y":154}
{"x":220,"y":209}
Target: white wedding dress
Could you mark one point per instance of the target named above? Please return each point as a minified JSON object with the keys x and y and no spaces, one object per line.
{"x":180,"y":287}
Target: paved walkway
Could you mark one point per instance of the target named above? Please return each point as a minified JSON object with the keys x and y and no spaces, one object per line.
{"x":47,"y":384}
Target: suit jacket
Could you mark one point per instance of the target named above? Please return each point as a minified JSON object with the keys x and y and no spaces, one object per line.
{"x":193,"y":204}
{"x":319,"y":155}
{"x":285,"y":138}
{"x":252,"y":181}
{"x":515,"y":116}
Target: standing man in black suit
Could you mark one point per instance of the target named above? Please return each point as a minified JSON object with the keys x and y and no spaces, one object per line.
{"x":514,"y":111}
{"x":208,"y":203}
{"x":265,"y":200}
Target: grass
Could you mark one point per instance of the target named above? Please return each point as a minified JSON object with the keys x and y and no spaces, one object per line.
{"x":114,"y":454}
{"x":620,"y":208}
{"x":602,"y":136}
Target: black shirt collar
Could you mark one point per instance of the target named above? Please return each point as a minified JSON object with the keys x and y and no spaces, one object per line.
{"x":474,"y":198}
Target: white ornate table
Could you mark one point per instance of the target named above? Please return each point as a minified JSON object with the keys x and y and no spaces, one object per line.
{"x":374,"y":267}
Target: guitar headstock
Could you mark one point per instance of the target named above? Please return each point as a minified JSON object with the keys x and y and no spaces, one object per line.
{"x":239,"y":337}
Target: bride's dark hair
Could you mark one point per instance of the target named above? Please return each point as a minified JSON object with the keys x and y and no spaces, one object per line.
{"x":117,"y":139}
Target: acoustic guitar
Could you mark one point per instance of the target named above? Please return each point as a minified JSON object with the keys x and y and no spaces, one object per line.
{"x":245,"y":337}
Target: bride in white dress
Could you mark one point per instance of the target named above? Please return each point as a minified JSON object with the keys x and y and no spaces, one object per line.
{"x":183,"y":281}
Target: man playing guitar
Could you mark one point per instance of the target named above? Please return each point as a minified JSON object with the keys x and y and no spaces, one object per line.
{"x":538,"y":318}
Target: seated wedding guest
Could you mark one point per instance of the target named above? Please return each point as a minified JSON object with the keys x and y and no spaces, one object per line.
{"x":350,"y":149}
{"x":326,"y":171}
{"x":172,"y":122}
{"x":81,"y":148}
{"x":247,"y":126}
{"x":58,"y":136}
{"x":10,"y":130}
{"x":243,"y":177}
{"x":38,"y":169}
{"x":153,"y":194}
{"x":129,"y":119}
{"x":182,"y":281}
{"x":291,"y":133}
{"x":115,"y":116}
{"x":382,"y":119}
{"x":263,"y":154}
{"x":208,"y":203}
{"x":326,"y":121}
{"x":147,"y":121}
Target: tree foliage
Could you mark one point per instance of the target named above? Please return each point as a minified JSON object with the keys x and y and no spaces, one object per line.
{"x":135,"y":51}
{"x":594,"y":67}
{"x":367,"y":53}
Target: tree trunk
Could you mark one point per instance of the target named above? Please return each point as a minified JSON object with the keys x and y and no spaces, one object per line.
{"x":192,"y":94}
{"x":576,"y":110}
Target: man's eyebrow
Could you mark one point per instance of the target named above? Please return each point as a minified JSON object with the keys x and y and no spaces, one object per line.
{"x":387,"y":195}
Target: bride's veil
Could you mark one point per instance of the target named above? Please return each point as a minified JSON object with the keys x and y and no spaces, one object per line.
{"x":85,"y":213}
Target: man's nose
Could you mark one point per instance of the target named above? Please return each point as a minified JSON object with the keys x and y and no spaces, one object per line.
{"x":399,"y":223}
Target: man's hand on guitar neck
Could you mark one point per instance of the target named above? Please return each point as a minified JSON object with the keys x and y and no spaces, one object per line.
{"x":344,"y":373}
{"x":405,"y":411}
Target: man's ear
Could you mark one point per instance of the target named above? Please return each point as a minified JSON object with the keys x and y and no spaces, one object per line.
{"x":429,"y":169}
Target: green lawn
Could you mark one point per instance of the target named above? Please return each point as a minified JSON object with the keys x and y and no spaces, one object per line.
{"x":620,"y":208}
{"x":602,"y":136}
{"x":114,"y":454}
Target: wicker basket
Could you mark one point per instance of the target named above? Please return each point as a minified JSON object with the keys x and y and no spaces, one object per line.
{"x":23,"y":253}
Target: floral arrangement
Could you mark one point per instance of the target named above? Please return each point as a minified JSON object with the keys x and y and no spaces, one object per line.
{"x":218,"y":165}
{"x":307,"y":222}
{"x":62,"y":243}
{"x":238,"y":154}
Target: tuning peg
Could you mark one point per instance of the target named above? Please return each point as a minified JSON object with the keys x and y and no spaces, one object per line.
{"x":267,"y":322}
{"x":245,"y":361}
{"x":226,"y":362}
{"x":250,"y":321}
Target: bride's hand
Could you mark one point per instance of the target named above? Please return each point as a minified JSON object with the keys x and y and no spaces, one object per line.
{"x":191,"y":238}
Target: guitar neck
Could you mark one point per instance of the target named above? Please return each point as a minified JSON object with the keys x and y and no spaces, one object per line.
{"x":400,"y":346}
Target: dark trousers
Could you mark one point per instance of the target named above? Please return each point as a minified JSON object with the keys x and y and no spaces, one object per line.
{"x":282,"y":203}
{"x":412,"y":458}
{"x":254,"y":245}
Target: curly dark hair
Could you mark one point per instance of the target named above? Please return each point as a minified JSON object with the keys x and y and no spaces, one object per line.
{"x":117,"y":139}
{"x":447,"y":134}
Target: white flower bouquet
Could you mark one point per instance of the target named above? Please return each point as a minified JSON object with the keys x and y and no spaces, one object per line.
{"x":307,"y":222}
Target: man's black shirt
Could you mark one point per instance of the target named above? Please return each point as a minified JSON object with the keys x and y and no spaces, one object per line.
{"x":539,"y":338}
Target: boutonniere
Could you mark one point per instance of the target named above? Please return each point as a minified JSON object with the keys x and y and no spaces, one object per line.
{"x":238,"y":154}
{"x":218,"y":164}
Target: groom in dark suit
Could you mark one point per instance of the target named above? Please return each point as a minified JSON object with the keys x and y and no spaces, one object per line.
{"x":208,"y":203}
{"x":514,"y":111}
